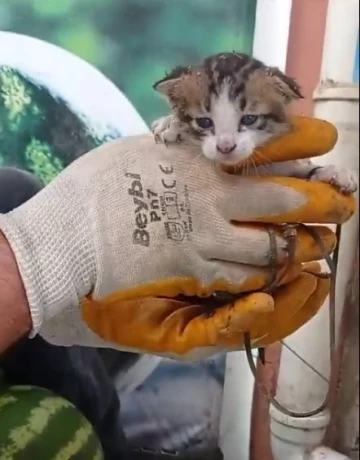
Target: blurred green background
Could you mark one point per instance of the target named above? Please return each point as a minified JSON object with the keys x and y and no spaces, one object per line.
{"x":133,"y":42}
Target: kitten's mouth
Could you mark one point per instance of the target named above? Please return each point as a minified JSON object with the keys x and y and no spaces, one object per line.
{"x":240,"y":153}
{"x":232,"y":159}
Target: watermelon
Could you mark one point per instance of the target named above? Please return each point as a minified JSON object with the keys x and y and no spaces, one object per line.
{"x":36,"y":424}
{"x":39,"y":131}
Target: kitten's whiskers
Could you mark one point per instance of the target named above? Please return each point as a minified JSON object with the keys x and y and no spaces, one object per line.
{"x":253,"y":161}
{"x":247,"y":165}
{"x":258,"y":155}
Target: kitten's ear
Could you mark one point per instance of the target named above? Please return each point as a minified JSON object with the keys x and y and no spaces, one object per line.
{"x":287,"y":87}
{"x":166,"y":87}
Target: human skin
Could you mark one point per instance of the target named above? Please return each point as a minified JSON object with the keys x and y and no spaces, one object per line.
{"x":15,"y":319}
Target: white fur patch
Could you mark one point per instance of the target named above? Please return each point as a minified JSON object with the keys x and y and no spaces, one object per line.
{"x":226,"y":115}
{"x":343,"y":179}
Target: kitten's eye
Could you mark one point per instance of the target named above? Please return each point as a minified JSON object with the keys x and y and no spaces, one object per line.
{"x":248,"y":120}
{"x":204,"y":122}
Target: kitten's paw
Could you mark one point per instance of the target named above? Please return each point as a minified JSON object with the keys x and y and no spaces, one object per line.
{"x":166,"y":130}
{"x":343,"y":179}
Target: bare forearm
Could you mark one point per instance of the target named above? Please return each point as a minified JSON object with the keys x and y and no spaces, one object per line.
{"x":15,"y":320}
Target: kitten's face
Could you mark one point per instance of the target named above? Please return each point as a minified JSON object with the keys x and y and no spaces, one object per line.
{"x":231,"y":103}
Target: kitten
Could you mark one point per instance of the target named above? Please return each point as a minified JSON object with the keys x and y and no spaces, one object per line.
{"x":230,"y":104}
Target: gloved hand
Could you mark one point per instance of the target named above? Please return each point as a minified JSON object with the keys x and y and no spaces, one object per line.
{"x":133,"y":221}
{"x":191,"y":330}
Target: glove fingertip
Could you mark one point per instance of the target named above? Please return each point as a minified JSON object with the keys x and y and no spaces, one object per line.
{"x":304,"y":314}
{"x":248,"y":309}
{"x":313,"y":268}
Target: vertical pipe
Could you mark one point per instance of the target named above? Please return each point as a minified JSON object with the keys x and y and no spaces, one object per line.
{"x":342,"y":29}
{"x":305,"y":50}
{"x":272,"y":31}
{"x":343,"y":431}
{"x":337,"y":101}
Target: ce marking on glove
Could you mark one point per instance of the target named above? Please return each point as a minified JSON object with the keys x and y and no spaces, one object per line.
{"x":175,"y":207}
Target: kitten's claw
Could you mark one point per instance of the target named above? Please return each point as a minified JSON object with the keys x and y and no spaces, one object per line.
{"x":344,"y":180}
{"x":167,"y":130}
{"x":156,"y":138}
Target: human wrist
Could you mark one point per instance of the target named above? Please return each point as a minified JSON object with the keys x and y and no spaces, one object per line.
{"x":51,"y":242}
{"x":14,"y":308}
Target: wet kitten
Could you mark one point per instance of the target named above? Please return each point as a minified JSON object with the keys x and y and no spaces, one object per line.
{"x":230,"y":104}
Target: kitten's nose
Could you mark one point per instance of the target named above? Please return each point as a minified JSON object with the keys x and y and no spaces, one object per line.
{"x":225,"y":147}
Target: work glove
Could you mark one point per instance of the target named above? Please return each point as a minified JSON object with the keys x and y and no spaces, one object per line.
{"x":107,"y":248}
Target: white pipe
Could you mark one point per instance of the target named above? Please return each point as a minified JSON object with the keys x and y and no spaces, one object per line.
{"x":324,"y":453}
{"x":270,"y":45}
{"x":342,"y":28}
{"x":300,"y":388}
{"x":271,"y":35}
{"x":292,"y":438}
{"x":235,"y":422}
{"x":295,"y":439}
